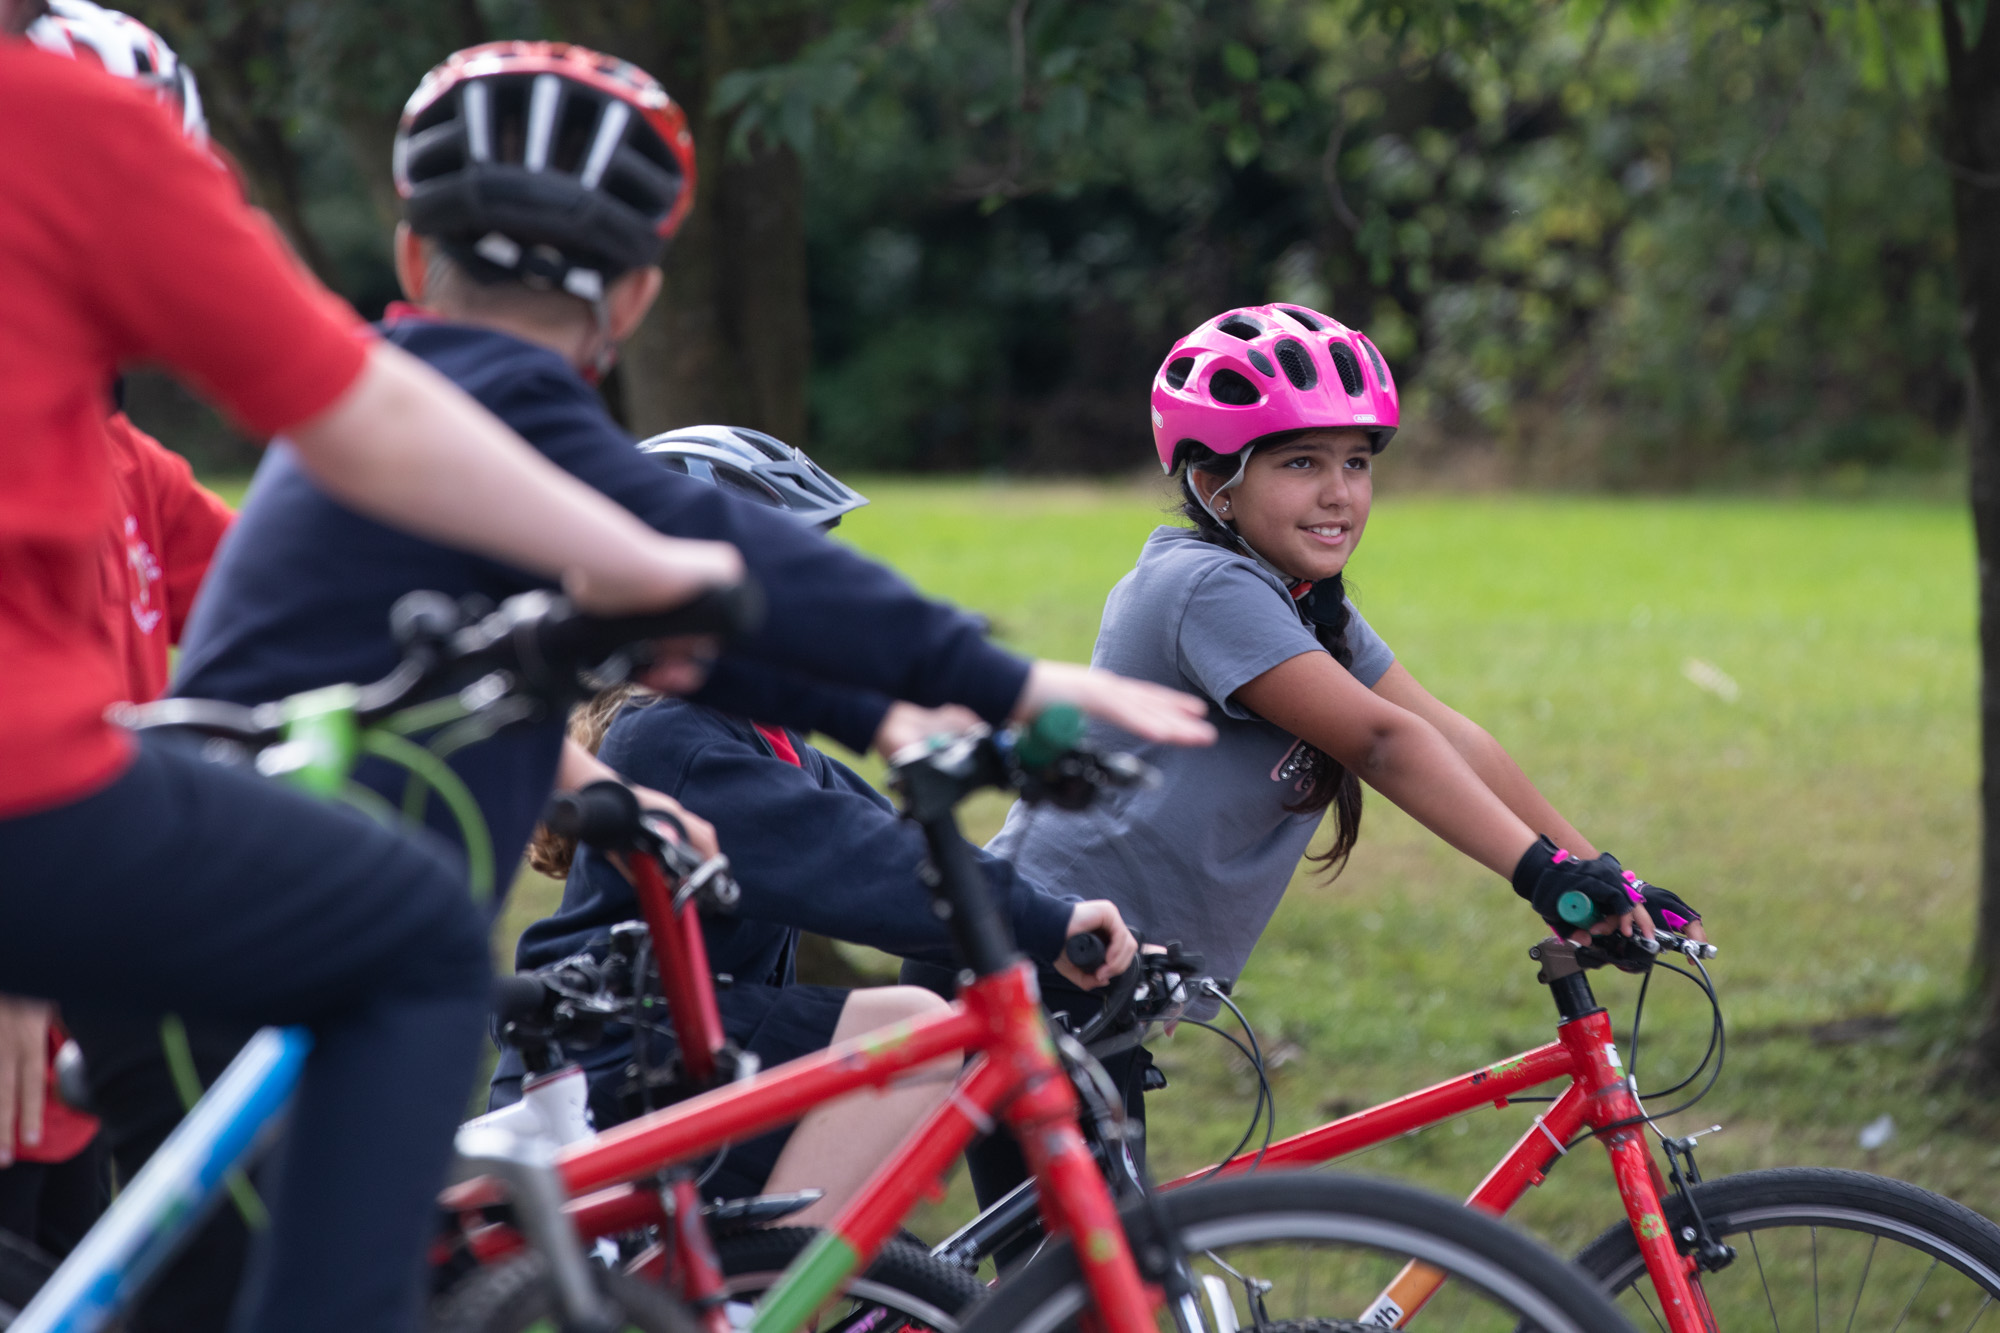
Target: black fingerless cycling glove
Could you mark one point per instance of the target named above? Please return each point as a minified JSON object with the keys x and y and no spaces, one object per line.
{"x":1666,"y":907}
{"x":1546,"y":872}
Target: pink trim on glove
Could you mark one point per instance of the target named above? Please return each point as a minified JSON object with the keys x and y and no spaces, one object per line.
{"x":1562,"y":855}
{"x":1674,"y":920}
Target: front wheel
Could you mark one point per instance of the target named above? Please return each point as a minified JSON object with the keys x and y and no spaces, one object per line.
{"x":518,"y":1296}
{"x":904,"y":1288}
{"x":1313,"y":1253}
{"x":1819,"y":1248}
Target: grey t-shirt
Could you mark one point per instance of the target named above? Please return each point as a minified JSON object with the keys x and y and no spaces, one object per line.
{"x":1204,"y":856}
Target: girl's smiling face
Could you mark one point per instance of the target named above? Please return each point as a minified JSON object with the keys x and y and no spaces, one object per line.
{"x":1302,"y":502}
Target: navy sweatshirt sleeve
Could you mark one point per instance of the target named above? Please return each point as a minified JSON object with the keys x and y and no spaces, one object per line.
{"x":753,"y":689}
{"x":814,"y":847}
{"x":834,"y":615}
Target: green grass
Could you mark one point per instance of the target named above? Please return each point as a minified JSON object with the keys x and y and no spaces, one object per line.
{"x":1824,"y":819}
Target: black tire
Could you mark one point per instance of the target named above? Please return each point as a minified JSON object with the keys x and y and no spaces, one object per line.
{"x":517,"y":1296}
{"x":913,"y":1289}
{"x":1822,"y":1248}
{"x":23,"y":1269}
{"x":1360,"y":1232}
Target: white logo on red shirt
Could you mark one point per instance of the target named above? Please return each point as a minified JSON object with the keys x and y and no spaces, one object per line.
{"x":145,"y":570}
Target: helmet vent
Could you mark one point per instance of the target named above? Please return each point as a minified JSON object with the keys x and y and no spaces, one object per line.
{"x":1300,"y":317}
{"x":575,"y":135}
{"x":1177,"y":371}
{"x":1263,"y":363}
{"x":1298,"y":364}
{"x":1241,"y":326}
{"x":1349,"y":368}
{"x":1381,"y":371}
{"x":1227,"y":386}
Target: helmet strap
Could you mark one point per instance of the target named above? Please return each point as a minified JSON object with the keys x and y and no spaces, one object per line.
{"x":1208,"y":503}
{"x":604,"y":349}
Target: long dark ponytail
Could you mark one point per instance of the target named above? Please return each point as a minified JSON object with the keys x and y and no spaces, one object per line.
{"x":1322,"y":781}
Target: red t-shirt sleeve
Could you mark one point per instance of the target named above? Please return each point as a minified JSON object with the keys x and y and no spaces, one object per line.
{"x":182,"y":272}
{"x":190,"y":520}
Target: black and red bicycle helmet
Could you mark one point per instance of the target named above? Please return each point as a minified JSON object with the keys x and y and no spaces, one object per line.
{"x":545,"y":161}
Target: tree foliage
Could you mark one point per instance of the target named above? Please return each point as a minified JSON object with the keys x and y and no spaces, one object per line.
{"x":1624,"y":241}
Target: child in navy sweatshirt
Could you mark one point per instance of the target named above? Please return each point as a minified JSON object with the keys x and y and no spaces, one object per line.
{"x":814,"y":848}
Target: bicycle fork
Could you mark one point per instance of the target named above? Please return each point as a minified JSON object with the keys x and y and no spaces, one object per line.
{"x":1602,"y":1097}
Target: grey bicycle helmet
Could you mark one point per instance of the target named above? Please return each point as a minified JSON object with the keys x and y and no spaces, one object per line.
{"x":754,"y":465}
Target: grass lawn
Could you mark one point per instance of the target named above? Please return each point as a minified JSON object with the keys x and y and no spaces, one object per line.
{"x":1814,"y":797}
{"x":1765,"y":704}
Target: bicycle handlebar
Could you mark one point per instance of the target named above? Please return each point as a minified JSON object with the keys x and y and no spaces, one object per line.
{"x":538,"y":638}
{"x":1086,"y":952}
{"x":1153,"y":990}
{"x":548,"y":641}
{"x":1634,"y":952}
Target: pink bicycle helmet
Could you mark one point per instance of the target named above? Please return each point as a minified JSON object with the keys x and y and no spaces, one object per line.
{"x":1262,"y":369}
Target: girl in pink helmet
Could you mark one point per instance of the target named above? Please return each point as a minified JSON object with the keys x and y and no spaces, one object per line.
{"x":1271,"y":417}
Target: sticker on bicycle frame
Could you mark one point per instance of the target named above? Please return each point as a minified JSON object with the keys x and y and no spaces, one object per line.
{"x":1501,"y":1070}
{"x":1611,"y":1054}
{"x":1103,"y":1245}
{"x":1384,"y":1313}
{"x":889,"y":1038}
{"x":1651,"y":1226}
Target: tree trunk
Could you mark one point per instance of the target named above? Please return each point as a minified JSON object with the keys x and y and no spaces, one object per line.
{"x":1972,"y":152}
{"x":729,"y":339}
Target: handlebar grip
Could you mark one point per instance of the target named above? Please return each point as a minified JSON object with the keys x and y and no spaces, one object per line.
{"x":605,"y":815}
{"x":1085,"y":952}
{"x":1055,"y":733}
{"x":1576,"y":908}
{"x":730,"y":613}
{"x":518,"y":997}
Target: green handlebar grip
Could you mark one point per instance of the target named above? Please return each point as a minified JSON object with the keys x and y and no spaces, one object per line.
{"x":1052,"y":735}
{"x":1576,"y":908}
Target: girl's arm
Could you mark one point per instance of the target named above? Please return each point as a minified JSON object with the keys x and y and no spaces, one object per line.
{"x":1393,"y":750}
{"x":1495,"y":767}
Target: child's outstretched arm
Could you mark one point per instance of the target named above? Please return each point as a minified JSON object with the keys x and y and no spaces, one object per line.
{"x":1488,"y":758}
{"x":1409,"y":761}
{"x":1394,"y":751}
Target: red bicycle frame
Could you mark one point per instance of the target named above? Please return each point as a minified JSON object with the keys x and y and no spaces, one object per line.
{"x":1599,"y":1096}
{"x":1016,"y":1078}
{"x":613,"y":1179}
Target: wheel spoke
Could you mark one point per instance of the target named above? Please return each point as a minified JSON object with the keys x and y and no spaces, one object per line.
{"x":1866,"y":1264}
{"x":1913,"y":1295}
{"x":1980,"y":1313}
{"x":1813,"y":1232}
{"x":1763,"y":1277}
{"x":1640,"y":1292}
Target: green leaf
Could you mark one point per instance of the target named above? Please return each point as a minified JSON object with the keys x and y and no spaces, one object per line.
{"x":1795,"y":214}
{"x":1240,"y":61}
{"x":1241,"y":146}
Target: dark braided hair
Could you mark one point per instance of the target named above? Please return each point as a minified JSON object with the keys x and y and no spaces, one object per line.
{"x":1323,"y":781}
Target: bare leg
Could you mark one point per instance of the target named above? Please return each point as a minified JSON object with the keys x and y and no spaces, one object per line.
{"x":838,"y":1146}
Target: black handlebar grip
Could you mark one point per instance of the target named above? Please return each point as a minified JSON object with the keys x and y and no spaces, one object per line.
{"x":518,"y":997}
{"x":604,"y":815}
{"x":729,"y":613}
{"x":1085,"y":952}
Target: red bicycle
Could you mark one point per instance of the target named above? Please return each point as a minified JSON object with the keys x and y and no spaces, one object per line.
{"x":1787,"y":1248}
{"x":1282,"y":1249}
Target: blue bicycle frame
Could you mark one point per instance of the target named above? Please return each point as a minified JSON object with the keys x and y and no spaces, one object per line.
{"x":174,"y":1192}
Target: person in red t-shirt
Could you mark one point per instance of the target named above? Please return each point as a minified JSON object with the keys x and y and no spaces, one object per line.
{"x":139,"y":877}
{"x":159,"y":545}
{"x":159,"y":549}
